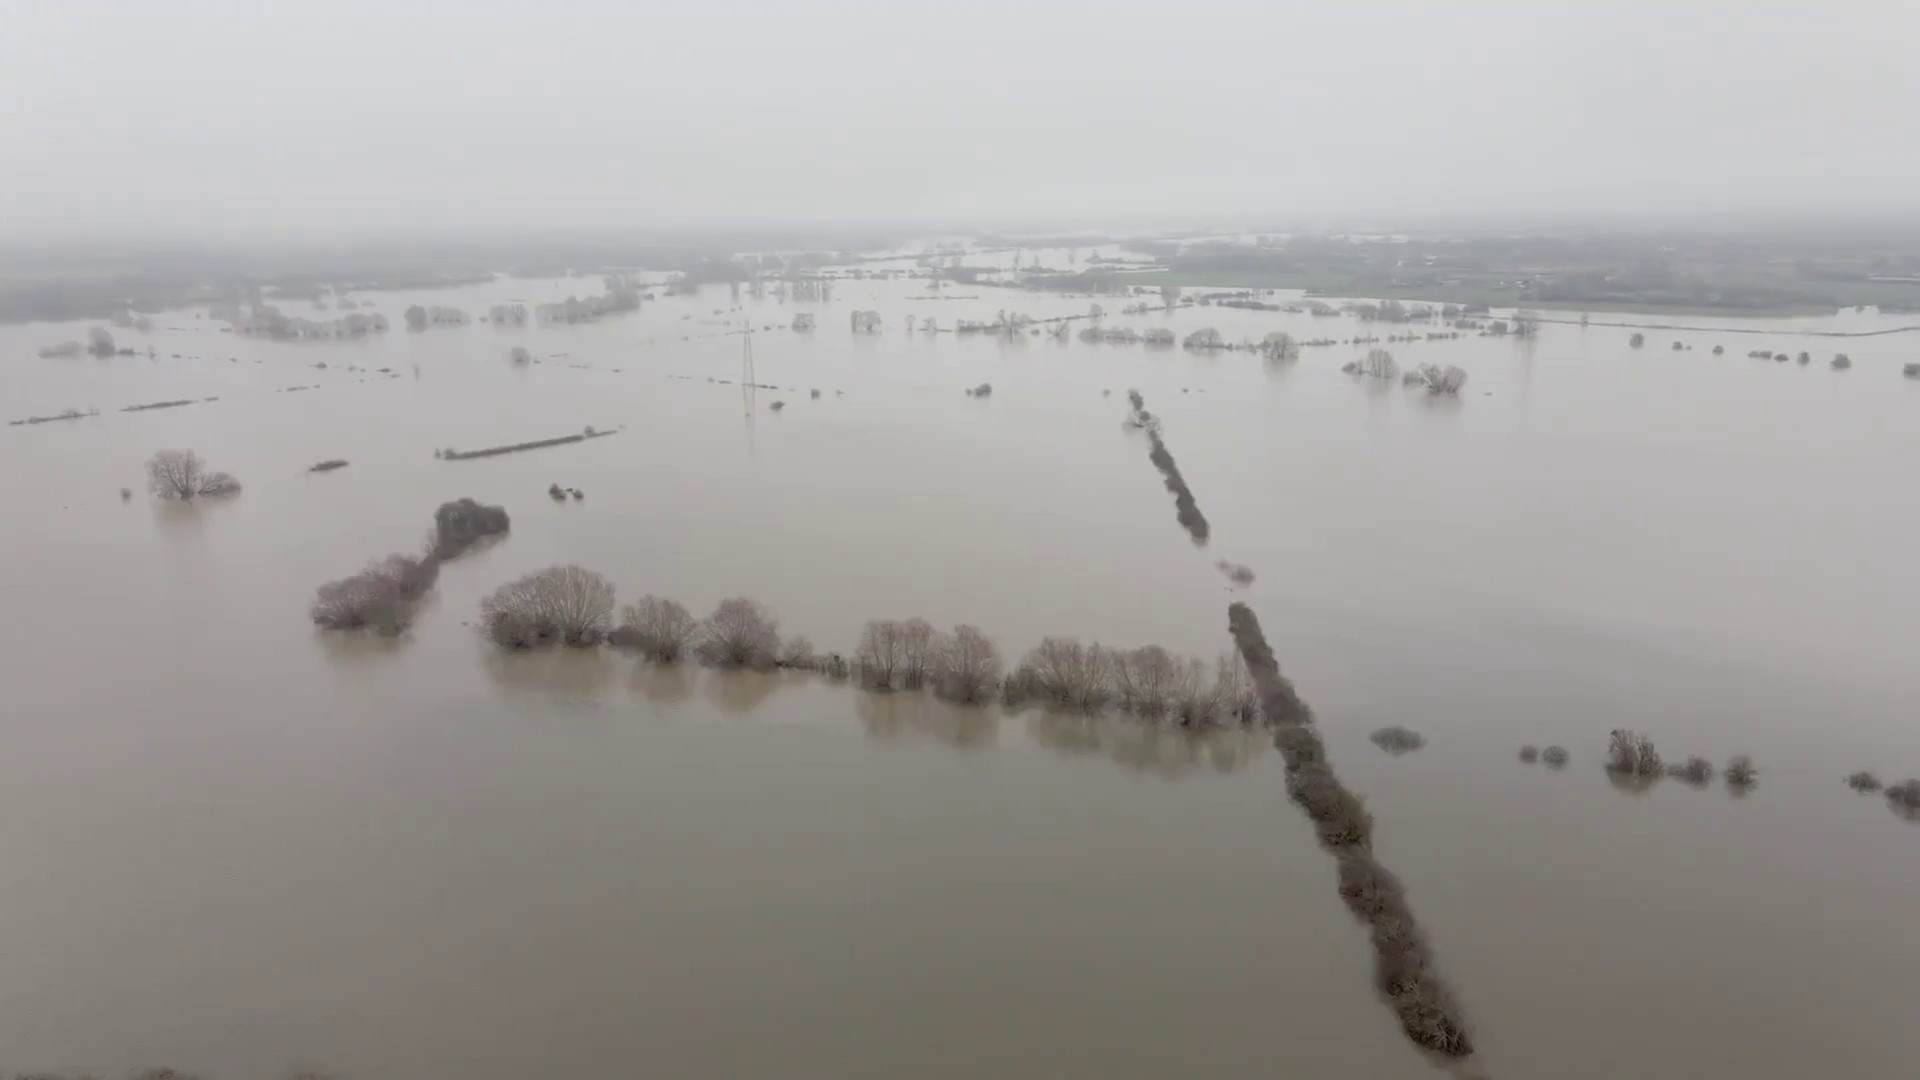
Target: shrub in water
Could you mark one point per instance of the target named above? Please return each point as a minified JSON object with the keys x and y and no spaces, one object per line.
{"x":659,"y":628}
{"x":559,"y":604}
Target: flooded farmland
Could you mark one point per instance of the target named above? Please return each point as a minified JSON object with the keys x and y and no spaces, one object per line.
{"x":239,"y":845}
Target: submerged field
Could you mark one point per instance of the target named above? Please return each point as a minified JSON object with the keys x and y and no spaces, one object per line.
{"x":239,"y":845}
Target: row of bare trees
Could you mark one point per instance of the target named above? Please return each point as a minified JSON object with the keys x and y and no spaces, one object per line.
{"x":1148,"y":682}
{"x":572,"y":606}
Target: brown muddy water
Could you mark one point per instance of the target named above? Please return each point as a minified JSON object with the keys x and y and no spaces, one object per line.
{"x":236,"y":845}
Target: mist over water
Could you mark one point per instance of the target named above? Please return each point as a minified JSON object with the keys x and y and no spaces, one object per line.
{"x":419,"y":856}
{"x":903,"y":312}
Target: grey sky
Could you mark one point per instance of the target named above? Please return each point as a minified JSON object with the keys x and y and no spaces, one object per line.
{"x":213,"y":116}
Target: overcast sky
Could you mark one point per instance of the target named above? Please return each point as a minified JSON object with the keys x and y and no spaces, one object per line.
{"x":344,"y":116}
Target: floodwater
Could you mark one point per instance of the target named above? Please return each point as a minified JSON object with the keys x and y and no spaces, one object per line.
{"x":238,"y":846}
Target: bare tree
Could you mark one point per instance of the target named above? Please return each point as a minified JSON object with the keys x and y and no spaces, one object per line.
{"x":100,"y":341}
{"x":181,"y":474}
{"x":1632,"y":754}
{"x":519,"y":356}
{"x":739,"y":633}
{"x":797,"y":652}
{"x":1203,"y":339}
{"x":1279,"y":346}
{"x":175,"y":474}
{"x":1435,"y":379}
{"x":1146,"y":679}
{"x":1695,"y":770}
{"x":1069,"y":673}
{"x":559,"y":604}
{"x":1377,"y":364}
{"x":660,"y":628}
{"x":1741,"y":773}
{"x":882,"y":652}
{"x":916,"y":653}
{"x":1193,"y":703}
{"x":1233,"y":694}
{"x":966,"y":666}
{"x":1169,"y":296}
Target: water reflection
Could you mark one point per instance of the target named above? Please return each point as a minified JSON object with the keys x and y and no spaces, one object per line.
{"x":182,"y":517}
{"x":1157,"y":749}
{"x":346,"y":648}
{"x":558,"y":674}
{"x":661,"y":684}
{"x":908,"y":716}
{"x":744,"y":691}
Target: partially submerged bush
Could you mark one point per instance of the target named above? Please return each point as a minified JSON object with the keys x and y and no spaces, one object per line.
{"x":1435,"y":379}
{"x":797,"y":653}
{"x":219,"y":483}
{"x":877,"y":659}
{"x":1279,"y":347}
{"x":1863,"y":781}
{"x":1529,"y":753}
{"x":917,"y":653}
{"x":1904,"y":797}
{"x":1555,"y":757}
{"x":1397,"y":740}
{"x":559,"y":604}
{"x":1238,"y":573}
{"x":1632,"y":754}
{"x":380,"y":598}
{"x":459,"y":524}
{"x":1204,"y":339}
{"x":739,"y":633}
{"x":966,"y":666}
{"x":660,"y":628}
{"x":1067,"y":673}
{"x":1228,"y":699}
{"x":181,"y":474}
{"x":1145,"y":679}
{"x":1695,"y":770}
{"x":1741,"y":773}
{"x":1377,"y":364}
{"x":1841,"y":362}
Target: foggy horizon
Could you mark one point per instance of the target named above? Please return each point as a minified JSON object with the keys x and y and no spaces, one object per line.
{"x":221,"y":122}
